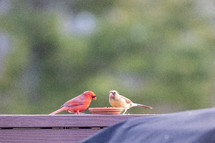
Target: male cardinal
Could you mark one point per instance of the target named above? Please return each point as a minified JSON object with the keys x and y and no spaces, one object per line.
{"x":77,"y":104}
{"x":117,"y":100}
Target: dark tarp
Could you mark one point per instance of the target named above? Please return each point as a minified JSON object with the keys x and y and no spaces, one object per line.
{"x":196,"y":126}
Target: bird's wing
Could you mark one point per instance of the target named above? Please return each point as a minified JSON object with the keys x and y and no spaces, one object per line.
{"x":77,"y":101}
{"x":126,"y":99}
{"x":71,"y":104}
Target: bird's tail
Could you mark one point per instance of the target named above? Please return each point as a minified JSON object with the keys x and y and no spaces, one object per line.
{"x":141,"y":105}
{"x":58,"y":111}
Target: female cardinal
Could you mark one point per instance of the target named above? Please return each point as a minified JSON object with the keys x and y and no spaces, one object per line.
{"x":117,"y":100}
{"x":77,"y":104}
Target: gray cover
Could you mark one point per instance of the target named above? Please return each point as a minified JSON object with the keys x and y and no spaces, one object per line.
{"x":196,"y":126}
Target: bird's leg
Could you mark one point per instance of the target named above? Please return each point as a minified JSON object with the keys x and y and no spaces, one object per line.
{"x":124,"y":111}
{"x":77,"y":112}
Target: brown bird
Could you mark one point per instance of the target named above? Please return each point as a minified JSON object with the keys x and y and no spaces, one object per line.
{"x":117,"y":100}
{"x":77,"y":104}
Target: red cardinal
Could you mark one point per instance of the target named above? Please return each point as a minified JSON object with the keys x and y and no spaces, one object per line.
{"x":77,"y":104}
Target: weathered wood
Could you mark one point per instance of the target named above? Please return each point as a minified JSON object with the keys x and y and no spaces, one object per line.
{"x":88,"y":120}
{"x":45,"y":135}
{"x":58,"y":128}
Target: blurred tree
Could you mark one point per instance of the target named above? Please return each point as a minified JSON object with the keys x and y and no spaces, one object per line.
{"x":155,"y":52}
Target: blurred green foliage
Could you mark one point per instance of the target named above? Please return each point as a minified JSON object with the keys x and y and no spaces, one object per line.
{"x":159,"y":53}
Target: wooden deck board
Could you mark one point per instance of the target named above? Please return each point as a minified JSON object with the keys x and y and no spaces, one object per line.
{"x":16,"y":121}
{"x":59,"y":128}
{"x":45,"y":135}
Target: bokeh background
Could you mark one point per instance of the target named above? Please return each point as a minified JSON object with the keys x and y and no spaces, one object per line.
{"x":159,"y":53}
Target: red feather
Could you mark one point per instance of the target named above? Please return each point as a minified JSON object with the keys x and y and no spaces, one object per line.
{"x":77,"y":104}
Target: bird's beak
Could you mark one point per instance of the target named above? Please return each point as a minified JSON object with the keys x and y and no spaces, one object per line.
{"x":94,"y":97}
{"x":111,"y":95}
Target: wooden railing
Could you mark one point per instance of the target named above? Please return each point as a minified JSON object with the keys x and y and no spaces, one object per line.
{"x":58,"y":128}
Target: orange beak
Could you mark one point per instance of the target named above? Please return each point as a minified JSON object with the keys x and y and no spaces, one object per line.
{"x":94,"y":97}
{"x":111,"y":95}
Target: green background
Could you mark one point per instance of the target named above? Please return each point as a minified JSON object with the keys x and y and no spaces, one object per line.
{"x":155,"y":52}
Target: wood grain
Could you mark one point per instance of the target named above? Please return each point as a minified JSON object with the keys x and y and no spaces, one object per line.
{"x":59,"y":128}
{"x":45,"y":135}
{"x":23,"y":121}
